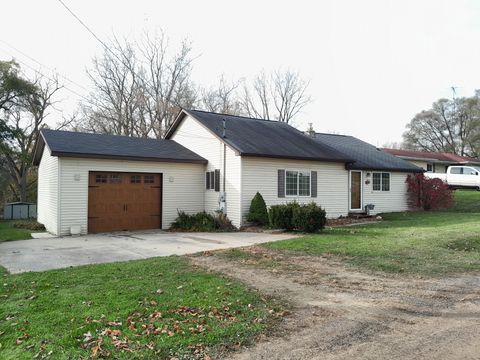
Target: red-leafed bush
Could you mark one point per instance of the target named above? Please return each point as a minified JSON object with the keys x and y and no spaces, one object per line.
{"x":427,"y":193}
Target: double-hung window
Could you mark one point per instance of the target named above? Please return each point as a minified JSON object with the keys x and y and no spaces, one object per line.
{"x":297,"y":183}
{"x":212,"y":180}
{"x":381,"y":181}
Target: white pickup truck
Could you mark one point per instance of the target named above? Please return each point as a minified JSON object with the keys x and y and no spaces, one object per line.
{"x":459,"y":177}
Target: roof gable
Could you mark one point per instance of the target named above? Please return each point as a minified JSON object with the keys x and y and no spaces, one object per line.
{"x":263,"y":138}
{"x":102,"y":146}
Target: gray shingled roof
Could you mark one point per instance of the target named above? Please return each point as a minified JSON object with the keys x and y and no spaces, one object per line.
{"x":101,"y":146}
{"x":366,"y":156}
{"x":264,"y":138}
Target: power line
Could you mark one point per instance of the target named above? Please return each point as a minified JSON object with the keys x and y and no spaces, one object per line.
{"x":39,"y":63}
{"x":48,"y":77}
{"x":83,"y":24}
{"x":98,"y":39}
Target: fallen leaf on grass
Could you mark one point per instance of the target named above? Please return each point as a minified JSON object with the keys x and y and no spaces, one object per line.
{"x":87,"y":337}
{"x":114,"y":323}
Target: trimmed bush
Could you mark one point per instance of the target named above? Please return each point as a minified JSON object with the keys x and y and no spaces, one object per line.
{"x":201,"y":221}
{"x":281,"y":216}
{"x":309,"y":218}
{"x":258,"y":211}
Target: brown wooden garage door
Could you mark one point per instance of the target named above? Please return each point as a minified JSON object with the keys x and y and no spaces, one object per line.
{"x":124,"y":201}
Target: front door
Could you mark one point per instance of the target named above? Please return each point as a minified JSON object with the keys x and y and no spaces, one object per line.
{"x":355,"y":190}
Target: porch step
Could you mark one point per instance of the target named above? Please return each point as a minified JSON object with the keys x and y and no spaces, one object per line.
{"x":359,"y":215}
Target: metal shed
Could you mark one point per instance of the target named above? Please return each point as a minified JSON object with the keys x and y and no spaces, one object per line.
{"x":19,"y":210}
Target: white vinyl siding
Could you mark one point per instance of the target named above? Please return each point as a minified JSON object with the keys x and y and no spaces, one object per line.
{"x":261,"y":174}
{"x":47,"y":201}
{"x":386,"y":201}
{"x":195,"y":137}
{"x":183,"y":187}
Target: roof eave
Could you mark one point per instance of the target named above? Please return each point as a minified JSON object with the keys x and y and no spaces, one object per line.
{"x":122,"y":157}
{"x":175,"y":124}
{"x":39,"y":148}
{"x":295,"y":157}
{"x":377,"y":168}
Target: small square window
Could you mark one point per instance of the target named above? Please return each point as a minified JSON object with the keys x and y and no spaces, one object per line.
{"x":135,"y":179}
{"x":148,"y":179}
{"x":100,"y":179}
{"x":115,"y":179}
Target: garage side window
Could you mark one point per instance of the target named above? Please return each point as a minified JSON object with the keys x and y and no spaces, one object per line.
{"x":210,"y":180}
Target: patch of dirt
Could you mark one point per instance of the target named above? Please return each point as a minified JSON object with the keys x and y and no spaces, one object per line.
{"x":345,"y":221}
{"x":341,"y":313}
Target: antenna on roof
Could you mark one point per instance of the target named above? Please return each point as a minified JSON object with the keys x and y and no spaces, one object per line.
{"x":224,"y":134}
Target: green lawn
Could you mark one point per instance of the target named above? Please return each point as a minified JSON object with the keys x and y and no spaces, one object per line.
{"x":8,"y":232}
{"x":436,"y":242}
{"x":144,"y":309}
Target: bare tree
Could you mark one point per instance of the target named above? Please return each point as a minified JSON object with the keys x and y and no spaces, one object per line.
{"x":138,"y":87}
{"x":280,"y":96}
{"x":223,"y":98}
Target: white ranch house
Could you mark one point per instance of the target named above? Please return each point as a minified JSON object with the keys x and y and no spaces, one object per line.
{"x":207,"y":161}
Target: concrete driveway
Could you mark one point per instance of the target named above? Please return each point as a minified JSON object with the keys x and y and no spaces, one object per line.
{"x":55,"y":253}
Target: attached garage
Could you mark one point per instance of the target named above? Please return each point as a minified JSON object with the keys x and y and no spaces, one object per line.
{"x":100,"y":183}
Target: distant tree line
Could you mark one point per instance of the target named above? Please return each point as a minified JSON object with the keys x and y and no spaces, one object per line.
{"x":450,"y":125}
{"x":138,"y":88}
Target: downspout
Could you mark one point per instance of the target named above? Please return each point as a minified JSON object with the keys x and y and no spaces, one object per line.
{"x":224,"y":165}
{"x":224,"y":135}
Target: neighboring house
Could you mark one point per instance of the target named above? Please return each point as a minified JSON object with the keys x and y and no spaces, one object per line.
{"x":94,"y":183}
{"x":435,"y":162}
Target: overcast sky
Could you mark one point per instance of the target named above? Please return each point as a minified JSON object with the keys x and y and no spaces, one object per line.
{"x":372,"y":65}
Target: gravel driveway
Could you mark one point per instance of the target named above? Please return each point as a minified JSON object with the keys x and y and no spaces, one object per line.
{"x":339,"y":312}
{"x":54,"y":253}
